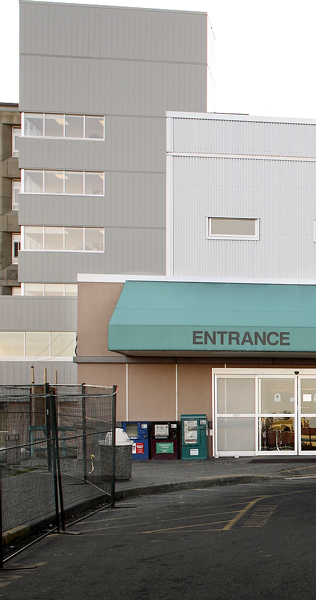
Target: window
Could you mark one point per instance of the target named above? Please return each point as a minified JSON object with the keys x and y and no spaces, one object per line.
{"x":232,"y":228}
{"x":78,"y":183}
{"x":60,"y":239}
{"x":85,"y":127}
{"x":16,"y":132}
{"x":16,"y":245}
{"x":16,"y":189}
{"x":16,"y":291}
{"x":50,"y":289}
{"x":50,"y":344}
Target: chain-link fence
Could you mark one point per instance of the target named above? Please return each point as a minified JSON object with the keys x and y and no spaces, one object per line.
{"x":55,"y":451}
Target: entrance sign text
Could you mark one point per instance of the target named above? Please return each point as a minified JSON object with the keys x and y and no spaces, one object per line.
{"x":235,"y":338}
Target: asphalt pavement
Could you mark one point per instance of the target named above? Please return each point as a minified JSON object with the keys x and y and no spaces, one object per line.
{"x":159,"y":476}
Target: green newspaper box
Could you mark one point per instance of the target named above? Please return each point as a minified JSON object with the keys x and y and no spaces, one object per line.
{"x":193,"y":437}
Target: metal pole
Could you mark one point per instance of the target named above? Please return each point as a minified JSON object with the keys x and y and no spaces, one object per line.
{"x":53,"y":435}
{"x":60,"y":486}
{"x":48,"y":428}
{"x":113,"y":445}
{"x":84,"y":432}
{"x":1,"y":545}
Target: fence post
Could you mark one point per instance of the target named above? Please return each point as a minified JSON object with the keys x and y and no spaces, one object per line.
{"x":113,"y":444}
{"x":1,"y":532}
{"x":84,"y":432}
{"x":48,"y":428}
{"x":56,"y":444}
{"x":52,"y":434}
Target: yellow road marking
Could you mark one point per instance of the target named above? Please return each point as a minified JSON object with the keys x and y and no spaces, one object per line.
{"x":241,"y":514}
{"x":183,"y":527}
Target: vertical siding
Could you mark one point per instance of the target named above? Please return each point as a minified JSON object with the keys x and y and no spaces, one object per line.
{"x":38,"y":314}
{"x":19,"y":372}
{"x":226,"y":136}
{"x":281,"y":193}
{"x":131,"y":65}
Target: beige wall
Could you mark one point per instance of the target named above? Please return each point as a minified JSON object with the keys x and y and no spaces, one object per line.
{"x":107,"y":374}
{"x":96,"y":303}
{"x":152,"y":392}
{"x":195,"y":389}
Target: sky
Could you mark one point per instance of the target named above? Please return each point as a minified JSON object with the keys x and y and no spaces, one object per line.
{"x":265,"y":53}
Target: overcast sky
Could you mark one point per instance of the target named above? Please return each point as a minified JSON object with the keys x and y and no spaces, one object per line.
{"x":265,"y":53}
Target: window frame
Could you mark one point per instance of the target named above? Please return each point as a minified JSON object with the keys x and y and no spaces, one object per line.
{"x":64,"y":227}
{"x":15,"y":128}
{"x":63,"y":172}
{"x":15,"y":205}
{"x":243,"y":237}
{"x":62,"y":116}
{"x":16,"y":239}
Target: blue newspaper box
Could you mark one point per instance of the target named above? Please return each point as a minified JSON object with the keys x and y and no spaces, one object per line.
{"x":139,"y":433}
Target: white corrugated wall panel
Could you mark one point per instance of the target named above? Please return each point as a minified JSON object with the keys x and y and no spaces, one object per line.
{"x":281,"y":193}
{"x":220,"y":136}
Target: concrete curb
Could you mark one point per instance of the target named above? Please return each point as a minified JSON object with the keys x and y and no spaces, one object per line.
{"x":166,"y":488}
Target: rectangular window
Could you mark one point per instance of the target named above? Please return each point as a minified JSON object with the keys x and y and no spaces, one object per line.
{"x":33,"y":289}
{"x":16,"y":291}
{"x":84,"y":127}
{"x":16,"y":132}
{"x":78,"y":183}
{"x":232,"y":228}
{"x":12,"y":343}
{"x":54,"y":125}
{"x":59,"y":239}
{"x":74,"y":126}
{"x":74,"y":183}
{"x":33,"y":182}
{"x":49,"y":289}
{"x":16,"y":189}
{"x":16,"y":245}
{"x":33,"y":124}
{"x":37,"y":344}
{"x":33,"y":238}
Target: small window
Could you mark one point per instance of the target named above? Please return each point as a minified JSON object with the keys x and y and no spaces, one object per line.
{"x":16,"y":189}
{"x":33,"y":289}
{"x":16,"y":132}
{"x":33,"y":124}
{"x":16,"y":291}
{"x":232,"y":228}
{"x":54,"y":125}
{"x":16,"y":245}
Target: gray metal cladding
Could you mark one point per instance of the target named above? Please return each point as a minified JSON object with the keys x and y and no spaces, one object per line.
{"x":58,"y":267}
{"x":135,"y":144}
{"x":135,"y":200}
{"x":59,"y":210}
{"x":111,"y":32}
{"x":26,"y":313}
{"x":128,"y":250}
{"x":280,"y":193}
{"x":232,"y":136}
{"x":19,"y":372}
{"x":71,"y":155}
{"x":124,"y":87}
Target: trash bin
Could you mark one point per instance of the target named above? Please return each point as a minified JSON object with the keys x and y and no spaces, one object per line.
{"x":123,"y":455}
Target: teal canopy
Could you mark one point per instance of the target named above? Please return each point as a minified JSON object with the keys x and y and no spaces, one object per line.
{"x":196,"y":318}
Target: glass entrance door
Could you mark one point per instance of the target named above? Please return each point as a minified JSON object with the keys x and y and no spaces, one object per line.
{"x":277,"y":418}
{"x":307,"y":415}
{"x":264,"y":413}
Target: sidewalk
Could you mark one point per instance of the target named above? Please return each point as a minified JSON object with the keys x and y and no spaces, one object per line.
{"x":160,"y":476}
